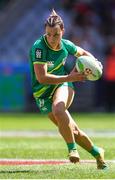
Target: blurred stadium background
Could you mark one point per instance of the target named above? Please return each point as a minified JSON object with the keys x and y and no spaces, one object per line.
{"x":88,"y":23}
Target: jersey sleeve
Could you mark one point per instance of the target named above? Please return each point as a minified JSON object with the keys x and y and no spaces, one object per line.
{"x":37,"y":54}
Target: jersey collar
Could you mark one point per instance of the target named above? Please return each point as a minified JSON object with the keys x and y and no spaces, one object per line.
{"x":48,"y":44}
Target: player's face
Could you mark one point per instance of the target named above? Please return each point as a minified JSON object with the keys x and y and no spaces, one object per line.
{"x":54,"y":35}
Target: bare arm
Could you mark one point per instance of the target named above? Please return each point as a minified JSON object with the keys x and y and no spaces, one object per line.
{"x":45,"y":78}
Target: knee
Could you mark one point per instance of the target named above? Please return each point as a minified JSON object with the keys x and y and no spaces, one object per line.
{"x":58,"y":110}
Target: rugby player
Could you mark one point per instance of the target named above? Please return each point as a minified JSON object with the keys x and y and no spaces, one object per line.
{"x":53,"y":89}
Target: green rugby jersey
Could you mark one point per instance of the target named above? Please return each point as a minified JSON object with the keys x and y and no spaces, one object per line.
{"x":41,"y":53}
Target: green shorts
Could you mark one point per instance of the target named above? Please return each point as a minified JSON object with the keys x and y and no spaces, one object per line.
{"x":45,"y":103}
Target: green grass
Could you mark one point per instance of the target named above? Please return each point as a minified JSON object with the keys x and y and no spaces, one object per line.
{"x":96,"y":121}
{"x":53,"y":148}
{"x":47,"y":148}
{"x":25,"y":122}
{"x":57,"y":172}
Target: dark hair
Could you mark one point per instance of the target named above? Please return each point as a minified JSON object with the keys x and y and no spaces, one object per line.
{"x":54,"y":19}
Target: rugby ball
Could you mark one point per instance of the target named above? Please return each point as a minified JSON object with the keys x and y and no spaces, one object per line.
{"x":90,"y":66}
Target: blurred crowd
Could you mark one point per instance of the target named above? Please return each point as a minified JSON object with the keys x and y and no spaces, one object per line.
{"x":93,"y":28}
{"x":89,"y":24}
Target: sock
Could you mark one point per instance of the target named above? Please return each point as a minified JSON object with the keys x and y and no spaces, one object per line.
{"x":71,"y":146}
{"x":94,"y":151}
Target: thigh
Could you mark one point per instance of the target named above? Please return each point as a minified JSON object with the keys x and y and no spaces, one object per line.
{"x":64,"y":94}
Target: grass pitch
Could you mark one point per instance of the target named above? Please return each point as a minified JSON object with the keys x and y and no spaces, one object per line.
{"x":53,"y":148}
{"x":95,"y":121}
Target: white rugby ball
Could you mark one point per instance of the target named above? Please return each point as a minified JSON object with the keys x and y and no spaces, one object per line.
{"x":87,"y":63}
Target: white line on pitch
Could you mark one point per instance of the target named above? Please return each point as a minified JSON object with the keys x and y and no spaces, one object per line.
{"x":45,"y":133}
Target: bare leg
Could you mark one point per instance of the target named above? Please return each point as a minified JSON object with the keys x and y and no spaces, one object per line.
{"x":85,"y":142}
{"x":60,"y":117}
{"x":59,"y":112}
{"x":67,"y":94}
{"x":80,"y":137}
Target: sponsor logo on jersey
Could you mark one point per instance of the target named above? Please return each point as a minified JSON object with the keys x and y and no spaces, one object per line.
{"x":38,"y":53}
{"x":50,"y":64}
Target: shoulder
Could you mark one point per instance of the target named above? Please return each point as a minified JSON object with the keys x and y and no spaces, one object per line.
{"x":37,"y":47}
{"x":69,"y":45}
{"x":39,"y":43}
{"x":67,"y":42}
{"x":38,"y":50}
